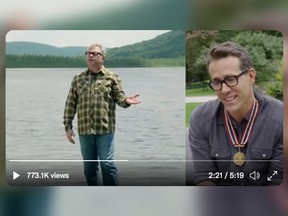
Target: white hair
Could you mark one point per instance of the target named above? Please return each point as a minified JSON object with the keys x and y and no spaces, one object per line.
{"x":99,"y":46}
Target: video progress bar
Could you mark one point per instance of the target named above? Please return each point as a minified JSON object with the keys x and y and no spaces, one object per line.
{"x":164,"y":160}
{"x":68,"y":160}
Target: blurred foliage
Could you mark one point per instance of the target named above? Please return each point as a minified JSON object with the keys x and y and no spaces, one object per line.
{"x":266,"y":51}
{"x":276,"y":89}
{"x":265,"y":48}
{"x":197,"y":42}
{"x":229,"y":14}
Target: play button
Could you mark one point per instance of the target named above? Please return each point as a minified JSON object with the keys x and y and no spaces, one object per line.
{"x":15,"y":175}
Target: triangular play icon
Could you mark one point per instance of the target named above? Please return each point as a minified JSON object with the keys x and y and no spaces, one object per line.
{"x":15,"y":175}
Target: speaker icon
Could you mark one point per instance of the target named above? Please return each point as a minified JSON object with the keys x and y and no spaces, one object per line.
{"x":254,"y":175}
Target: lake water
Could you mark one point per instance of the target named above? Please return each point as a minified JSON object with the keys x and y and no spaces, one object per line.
{"x":150,"y":135}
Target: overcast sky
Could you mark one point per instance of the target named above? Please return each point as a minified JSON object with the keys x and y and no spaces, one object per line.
{"x":108,"y":38}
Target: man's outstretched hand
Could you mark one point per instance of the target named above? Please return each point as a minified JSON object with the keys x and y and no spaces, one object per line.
{"x":133,"y":99}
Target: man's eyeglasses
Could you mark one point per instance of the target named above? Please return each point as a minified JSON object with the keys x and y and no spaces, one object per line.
{"x":231,"y":81}
{"x":92,"y":53}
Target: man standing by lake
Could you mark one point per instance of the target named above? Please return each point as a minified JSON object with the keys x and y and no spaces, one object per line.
{"x":94,"y":94}
{"x":236,"y":139}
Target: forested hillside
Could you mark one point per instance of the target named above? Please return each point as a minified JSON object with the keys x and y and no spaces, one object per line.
{"x":167,"y":49}
{"x":167,"y":45}
{"x":31,"y":48}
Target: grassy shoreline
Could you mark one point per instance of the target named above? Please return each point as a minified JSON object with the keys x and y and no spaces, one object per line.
{"x":189,"y":108}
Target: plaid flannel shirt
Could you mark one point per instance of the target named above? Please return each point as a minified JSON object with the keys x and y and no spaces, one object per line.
{"x":93,"y":98}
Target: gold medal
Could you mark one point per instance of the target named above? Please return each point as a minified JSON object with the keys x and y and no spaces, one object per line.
{"x":239,"y":158}
{"x":240,"y":142}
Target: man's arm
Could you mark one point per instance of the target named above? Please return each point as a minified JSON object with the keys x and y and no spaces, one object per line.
{"x":118,"y":92}
{"x":200,"y":149}
{"x":119,"y":96}
{"x":70,"y":111}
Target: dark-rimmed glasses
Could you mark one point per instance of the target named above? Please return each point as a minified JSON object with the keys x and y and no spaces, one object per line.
{"x":92,"y":53}
{"x":230,"y":81}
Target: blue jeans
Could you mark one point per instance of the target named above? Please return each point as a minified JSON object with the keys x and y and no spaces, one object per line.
{"x":94,"y":147}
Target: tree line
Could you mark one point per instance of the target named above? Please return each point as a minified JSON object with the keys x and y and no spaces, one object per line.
{"x":265,"y":48}
{"x":49,"y":61}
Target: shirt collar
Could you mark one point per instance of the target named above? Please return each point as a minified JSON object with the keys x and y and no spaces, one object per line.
{"x":103,"y":71}
{"x":220,"y":110}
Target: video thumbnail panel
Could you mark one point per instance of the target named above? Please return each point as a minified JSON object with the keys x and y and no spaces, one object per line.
{"x":149,"y":138}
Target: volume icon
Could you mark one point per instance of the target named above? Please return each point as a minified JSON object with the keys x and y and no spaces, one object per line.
{"x":254,"y":175}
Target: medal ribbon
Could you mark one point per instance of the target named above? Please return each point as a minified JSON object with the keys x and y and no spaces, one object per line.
{"x":247,"y":132}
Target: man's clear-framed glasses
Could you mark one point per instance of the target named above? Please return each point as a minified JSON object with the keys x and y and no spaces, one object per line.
{"x":231,"y":81}
{"x":92,"y":53}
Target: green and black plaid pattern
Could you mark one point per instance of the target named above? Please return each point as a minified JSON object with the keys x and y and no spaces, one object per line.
{"x":93,"y":98}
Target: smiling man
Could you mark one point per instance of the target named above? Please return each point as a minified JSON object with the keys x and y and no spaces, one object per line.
{"x":93,"y":95}
{"x":236,"y":139}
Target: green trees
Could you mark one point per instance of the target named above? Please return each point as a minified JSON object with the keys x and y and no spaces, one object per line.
{"x":197,"y":43}
{"x":26,"y":61}
{"x":266,"y":51}
{"x":265,"y":48}
{"x":40,"y":61}
{"x":275,"y":89}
